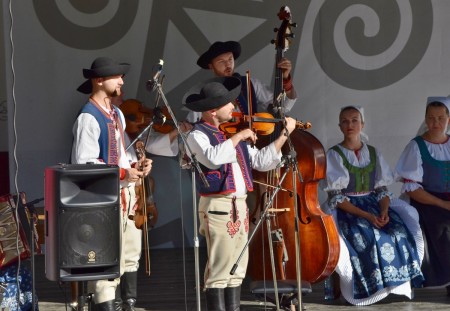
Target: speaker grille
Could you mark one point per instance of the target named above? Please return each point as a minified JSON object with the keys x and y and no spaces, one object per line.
{"x":89,"y":236}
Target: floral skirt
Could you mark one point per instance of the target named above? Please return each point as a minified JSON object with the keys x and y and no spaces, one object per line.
{"x":8,"y":282}
{"x":380,"y":258}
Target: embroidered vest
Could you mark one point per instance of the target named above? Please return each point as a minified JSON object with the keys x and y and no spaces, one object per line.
{"x":241,"y":101}
{"x":436,"y":174}
{"x":221,"y":180}
{"x":107,"y":140}
{"x":362,"y":179}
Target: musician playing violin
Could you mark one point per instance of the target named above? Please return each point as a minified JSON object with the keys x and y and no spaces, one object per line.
{"x":227,"y":164}
{"x":162,"y":136}
{"x":99,"y":138}
{"x":220,"y":59}
{"x":161,"y":141}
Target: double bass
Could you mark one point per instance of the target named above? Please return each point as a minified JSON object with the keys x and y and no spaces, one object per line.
{"x":315,"y":230}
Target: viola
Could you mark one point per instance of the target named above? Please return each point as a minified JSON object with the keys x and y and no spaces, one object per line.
{"x":139,"y":117}
{"x":262,"y":123}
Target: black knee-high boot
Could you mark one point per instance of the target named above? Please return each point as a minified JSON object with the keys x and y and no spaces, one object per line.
{"x":215,"y":299}
{"x":128,"y":286}
{"x":118,"y":300}
{"x":233,"y":298}
{"x":105,"y":306}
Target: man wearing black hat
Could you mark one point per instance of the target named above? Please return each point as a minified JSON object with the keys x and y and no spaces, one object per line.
{"x":99,"y":138}
{"x":227,"y":164}
{"x":220,"y":59}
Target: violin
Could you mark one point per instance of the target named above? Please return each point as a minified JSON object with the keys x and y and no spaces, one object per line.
{"x":141,"y":216}
{"x":262,"y":123}
{"x":138,"y":117}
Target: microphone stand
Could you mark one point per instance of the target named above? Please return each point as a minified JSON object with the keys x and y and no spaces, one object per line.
{"x":158,"y":87}
{"x":149,"y":126}
{"x":291,"y":157}
{"x":154,"y":84}
{"x":32,"y":211}
{"x":269,"y":235}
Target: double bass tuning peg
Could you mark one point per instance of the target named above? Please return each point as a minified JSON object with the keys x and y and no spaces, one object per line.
{"x":288,"y":35}
{"x":290,"y":25}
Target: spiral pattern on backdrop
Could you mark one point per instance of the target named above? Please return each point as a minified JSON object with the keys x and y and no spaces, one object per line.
{"x":86,"y":25}
{"x":366,"y":45}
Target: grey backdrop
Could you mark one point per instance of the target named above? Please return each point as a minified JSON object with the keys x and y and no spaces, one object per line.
{"x":385,"y":55}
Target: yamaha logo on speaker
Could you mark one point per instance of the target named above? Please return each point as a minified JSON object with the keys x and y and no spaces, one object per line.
{"x":91,"y":256}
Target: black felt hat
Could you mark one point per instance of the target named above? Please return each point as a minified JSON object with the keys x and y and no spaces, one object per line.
{"x":102,"y":67}
{"x":216,"y":49}
{"x":212,"y":93}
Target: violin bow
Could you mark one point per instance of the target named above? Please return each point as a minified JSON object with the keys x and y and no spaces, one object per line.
{"x":249,"y":100}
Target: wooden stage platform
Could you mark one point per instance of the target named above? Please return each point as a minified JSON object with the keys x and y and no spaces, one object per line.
{"x":171,"y":286}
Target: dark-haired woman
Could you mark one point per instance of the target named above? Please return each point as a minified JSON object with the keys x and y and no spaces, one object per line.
{"x":424,"y":168}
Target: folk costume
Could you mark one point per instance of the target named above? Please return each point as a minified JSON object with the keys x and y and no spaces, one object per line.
{"x":425,"y":165}
{"x":261,"y":94}
{"x":223,"y":213}
{"x":99,"y":138}
{"x":373,"y":262}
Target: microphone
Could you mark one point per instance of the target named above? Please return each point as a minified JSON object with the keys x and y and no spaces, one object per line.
{"x":152,"y":83}
{"x":282,"y":162}
{"x":158,"y":114}
{"x":287,"y":158}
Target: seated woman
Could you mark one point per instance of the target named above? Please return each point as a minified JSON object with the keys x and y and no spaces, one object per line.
{"x":423,"y":167}
{"x":381,"y":241}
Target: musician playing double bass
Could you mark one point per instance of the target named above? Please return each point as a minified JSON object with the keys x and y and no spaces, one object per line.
{"x":220,"y":59}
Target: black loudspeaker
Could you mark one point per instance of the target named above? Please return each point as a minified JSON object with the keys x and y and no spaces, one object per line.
{"x":82,"y":222}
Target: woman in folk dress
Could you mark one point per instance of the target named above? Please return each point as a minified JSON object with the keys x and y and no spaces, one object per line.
{"x":381,"y":241}
{"x":423,"y":167}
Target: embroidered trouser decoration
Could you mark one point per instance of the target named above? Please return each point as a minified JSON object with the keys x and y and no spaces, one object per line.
{"x":235,"y":223}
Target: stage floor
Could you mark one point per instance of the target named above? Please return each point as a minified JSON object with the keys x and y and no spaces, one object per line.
{"x":171,"y":286}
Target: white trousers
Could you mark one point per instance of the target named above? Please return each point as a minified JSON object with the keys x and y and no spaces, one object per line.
{"x":130,"y":239}
{"x":224,"y":223}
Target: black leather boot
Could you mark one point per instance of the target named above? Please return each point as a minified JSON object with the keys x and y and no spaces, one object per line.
{"x":128,"y":285}
{"x":105,"y":306}
{"x":118,"y":301}
{"x":233,"y":298}
{"x":215,"y":299}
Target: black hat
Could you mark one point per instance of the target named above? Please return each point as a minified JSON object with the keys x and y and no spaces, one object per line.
{"x":216,"y":49}
{"x":212,"y":93}
{"x":101,"y":67}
